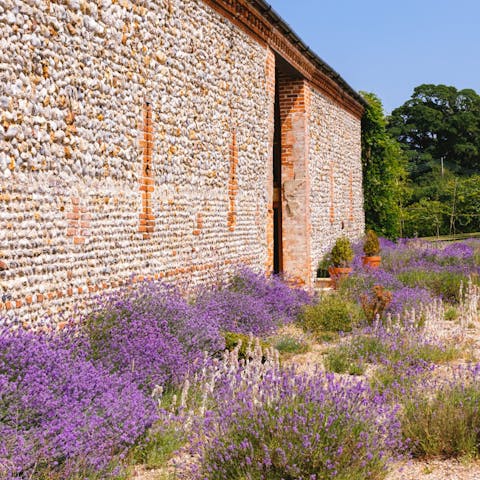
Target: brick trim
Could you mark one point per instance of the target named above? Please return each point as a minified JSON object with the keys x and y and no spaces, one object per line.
{"x":350,"y":196}
{"x":270,"y":89}
{"x":198,"y":224}
{"x":147,"y":183}
{"x":233,"y":184}
{"x":294,"y":97}
{"x":78,"y":222}
{"x":251,"y":21}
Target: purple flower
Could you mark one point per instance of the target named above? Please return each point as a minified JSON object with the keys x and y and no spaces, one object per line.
{"x":60,"y":411}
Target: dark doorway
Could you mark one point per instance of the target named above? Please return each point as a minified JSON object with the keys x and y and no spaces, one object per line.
{"x":277,"y":185}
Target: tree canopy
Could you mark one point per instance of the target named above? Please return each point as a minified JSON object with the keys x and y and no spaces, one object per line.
{"x":439,"y":123}
{"x":439,"y":131}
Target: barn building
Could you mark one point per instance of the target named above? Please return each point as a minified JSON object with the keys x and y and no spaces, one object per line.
{"x":167,"y":139}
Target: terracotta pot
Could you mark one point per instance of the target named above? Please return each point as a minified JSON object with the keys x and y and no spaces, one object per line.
{"x":337,"y":274}
{"x":372,"y":262}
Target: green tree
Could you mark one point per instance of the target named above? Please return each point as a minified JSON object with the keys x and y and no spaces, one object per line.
{"x":384,"y":172}
{"x":465,"y":205}
{"x":439,"y":131}
{"x":439,"y":123}
{"x":425,"y":218}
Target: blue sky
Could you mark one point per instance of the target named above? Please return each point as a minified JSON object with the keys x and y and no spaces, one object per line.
{"x":389,"y":47}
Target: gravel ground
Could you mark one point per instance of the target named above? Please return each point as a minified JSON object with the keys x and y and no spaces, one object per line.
{"x":434,"y":469}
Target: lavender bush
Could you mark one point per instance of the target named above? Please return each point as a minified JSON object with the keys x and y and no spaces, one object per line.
{"x":72,"y":404}
{"x":60,"y":415}
{"x":151,"y":334}
{"x":401,"y":351}
{"x":252,"y":303}
{"x":446,"y":422}
{"x":261,"y":422}
{"x":416,"y":272}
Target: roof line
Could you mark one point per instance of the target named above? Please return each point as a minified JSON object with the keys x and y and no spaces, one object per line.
{"x":277,"y":21}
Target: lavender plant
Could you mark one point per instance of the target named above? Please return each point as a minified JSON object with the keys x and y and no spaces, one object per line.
{"x":252,"y":303}
{"x":61,"y":416}
{"x":446,"y":422}
{"x":262,"y":422}
{"x":151,"y":334}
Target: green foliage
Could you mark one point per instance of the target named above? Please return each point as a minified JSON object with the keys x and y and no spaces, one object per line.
{"x":451,"y":313}
{"x":446,"y":425}
{"x":322,"y":267}
{"x":342,"y":252}
{"x":158,"y":446}
{"x":443,"y":283}
{"x":47,"y":472}
{"x":442,"y":206}
{"x":232,"y":340}
{"x":371,"y":245}
{"x":439,"y":130}
{"x":332,"y":314}
{"x":327,"y":337}
{"x":286,"y":344}
{"x":426,"y":217}
{"x":339,"y":360}
{"x":275,"y":443}
{"x":384,"y":171}
{"x":438,"y":122}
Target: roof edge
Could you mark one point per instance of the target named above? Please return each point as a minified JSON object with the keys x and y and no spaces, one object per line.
{"x":259,"y":20}
{"x":277,"y":21}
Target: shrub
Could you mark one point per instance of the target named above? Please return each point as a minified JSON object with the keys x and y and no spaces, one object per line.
{"x":287,"y":344}
{"x":62,"y":416}
{"x":151,"y":334}
{"x":331,"y":313}
{"x":362,"y":281}
{"x":255,"y":420}
{"x":371,"y":245}
{"x":238,"y":312}
{"x":395,"y":379}
{"x":244,"y":342}
{"x":339,"y":360}
{"x":252,"y":303}
{"x":451,"y":313}
{"x":322,"y":267}
{"x":316,"y":427}
{"x":400,"y":352}
{"x":446,"y":423}
{"x":444,"y":283}
{"x":406,"y":299}
{"x":375,"y":304}
{"x":280,"y":299}
{"x":158,"y":445}
{"x":342,"y":252}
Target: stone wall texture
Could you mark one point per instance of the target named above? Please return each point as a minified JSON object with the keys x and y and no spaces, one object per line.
{"x":135,"y":140}
{"x":335,"y":173}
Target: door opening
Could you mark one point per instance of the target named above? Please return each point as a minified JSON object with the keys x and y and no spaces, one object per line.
{"x":277,"y":185}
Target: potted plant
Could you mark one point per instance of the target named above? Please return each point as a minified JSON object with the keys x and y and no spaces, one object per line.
{"x":323,"y":280}
{"x":371,"y":249}
{"x":341,"y":257}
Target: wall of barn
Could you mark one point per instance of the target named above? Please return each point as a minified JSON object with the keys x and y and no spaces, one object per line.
{"x":134,"y":141}
{"x":335,"y":173}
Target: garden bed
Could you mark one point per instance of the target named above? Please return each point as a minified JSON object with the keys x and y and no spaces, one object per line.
{"x":326,"y":392}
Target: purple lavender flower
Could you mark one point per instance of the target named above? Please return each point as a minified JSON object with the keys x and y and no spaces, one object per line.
{"x":61,"y":412}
